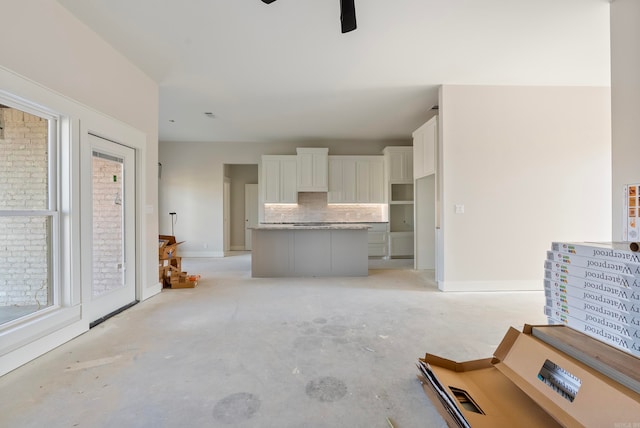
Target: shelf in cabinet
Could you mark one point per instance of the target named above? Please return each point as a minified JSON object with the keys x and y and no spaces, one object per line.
{"x":400,"y":202}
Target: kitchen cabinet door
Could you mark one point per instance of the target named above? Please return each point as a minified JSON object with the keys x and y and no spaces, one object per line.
{"x":376,"y":181}
{"x":363,"y":181}
{"x":425,"y":140}
{"x":312,"y":171}
{"x":370,"y":186}
{"x":288,"y":180}
{"x":342,"y":179}
{"x":278,"y":179}
{"x":400,"y":244}
{"x":399,"y":163}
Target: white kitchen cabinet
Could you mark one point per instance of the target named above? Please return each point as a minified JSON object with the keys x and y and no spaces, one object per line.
{"x":425,"y":143}
{"x":377,"y":240}
{"x":356,"y":179}
{"x":401,"y":244}
{"x":399,"y":163}
{"x":370,"y":186}
{"x":278,"y":179}
{"x":312,"y":171}
{"x":399,"y":173}
{"x":342,"y":179}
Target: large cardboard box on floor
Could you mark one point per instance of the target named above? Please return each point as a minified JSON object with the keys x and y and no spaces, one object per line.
{"x":528,"y":382}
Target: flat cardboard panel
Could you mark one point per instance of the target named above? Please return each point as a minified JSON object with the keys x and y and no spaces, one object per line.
{"x":599,"y":401}
{"x":503,"y":403}
{"x":508,"y":390}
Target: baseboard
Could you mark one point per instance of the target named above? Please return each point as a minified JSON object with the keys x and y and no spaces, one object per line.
{"x":151,"y":291}
{"x":33,"y":350}
{"x":201,"y":253}
{"x":523,"y":285}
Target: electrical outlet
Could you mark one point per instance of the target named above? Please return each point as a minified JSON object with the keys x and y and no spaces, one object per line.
{"x":459,"y":209}
{"x":205,"y":246}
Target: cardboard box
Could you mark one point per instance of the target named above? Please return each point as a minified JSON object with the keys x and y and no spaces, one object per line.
{"x":602,"y":334}
{"x":615,"y":251}
{"x":183,"y":280}
{"x":622,"y":297}
{"x":623,"y":324}
{"x":595,"y":264}
{"x":618,"y":279}
{"x":167,"y":247}
{"x":561,"y":291}
{"x":527,"y":383}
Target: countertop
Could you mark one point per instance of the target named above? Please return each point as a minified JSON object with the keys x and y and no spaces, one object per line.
{"x":311,"y":226}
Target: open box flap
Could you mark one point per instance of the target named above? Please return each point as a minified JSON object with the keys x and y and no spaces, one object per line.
{"x":591,"y":399}
{"x":482,"y":394}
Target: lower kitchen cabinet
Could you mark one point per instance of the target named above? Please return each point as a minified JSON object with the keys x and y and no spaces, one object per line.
{"x":401,"y":244}
{"x":377,"y":240}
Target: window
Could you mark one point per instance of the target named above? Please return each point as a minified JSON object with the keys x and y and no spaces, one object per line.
{"x":28,"y":216}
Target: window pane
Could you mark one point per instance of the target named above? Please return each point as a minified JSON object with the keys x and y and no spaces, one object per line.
{"x":24,"y":166}
{"x":108,"y":254}
{"x":25,"y":284}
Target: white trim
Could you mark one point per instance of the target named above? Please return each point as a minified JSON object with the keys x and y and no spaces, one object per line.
{"x":216,"y":254}
{"x":21,"y":332}
{"x":148,"y":292}
{"x":36,"y":348}
{"x":515,"y":285}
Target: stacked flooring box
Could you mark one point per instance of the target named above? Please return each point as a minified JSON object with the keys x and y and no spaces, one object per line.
{"x":595,"y":288}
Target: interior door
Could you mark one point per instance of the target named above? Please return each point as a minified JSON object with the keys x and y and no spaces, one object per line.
{"x":250,"y":212}
{"x":109,"y":271}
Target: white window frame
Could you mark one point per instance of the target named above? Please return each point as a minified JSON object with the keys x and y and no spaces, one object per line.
{"x":64,"y":309}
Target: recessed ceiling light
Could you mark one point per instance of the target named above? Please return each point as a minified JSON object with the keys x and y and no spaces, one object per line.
{"x":210,"y":115}
{"x":172,"y":121}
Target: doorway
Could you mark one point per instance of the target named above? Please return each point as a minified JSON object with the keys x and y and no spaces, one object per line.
{"x":242,"y":178}
{"x":425,"y":223}
{"x":109,"y":276}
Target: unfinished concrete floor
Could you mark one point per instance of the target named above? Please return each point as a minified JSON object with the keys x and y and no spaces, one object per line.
{"x":243,"y":352}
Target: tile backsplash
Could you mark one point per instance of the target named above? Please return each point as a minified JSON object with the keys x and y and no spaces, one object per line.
{"x":313,"y":207}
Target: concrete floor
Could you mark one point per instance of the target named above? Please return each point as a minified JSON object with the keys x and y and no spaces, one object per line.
{"x":243,"y":352}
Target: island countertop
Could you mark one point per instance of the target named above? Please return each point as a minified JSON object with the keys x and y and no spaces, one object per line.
{"x":311,"y":226}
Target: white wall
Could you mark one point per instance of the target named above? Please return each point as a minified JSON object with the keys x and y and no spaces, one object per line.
{"x":530,"y":165}
{"x":51,"y":59}
{"x":40,"y":40}
{"x":192,"y":177}
{"x":625,"y":101}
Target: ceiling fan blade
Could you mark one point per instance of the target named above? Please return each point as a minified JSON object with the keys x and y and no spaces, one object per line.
{"x":347,"y":15}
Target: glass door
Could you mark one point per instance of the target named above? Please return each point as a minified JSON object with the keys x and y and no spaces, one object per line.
{"x":112,"y":229}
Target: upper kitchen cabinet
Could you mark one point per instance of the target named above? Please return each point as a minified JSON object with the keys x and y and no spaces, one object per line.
{"x":312,"y":175}
{"x":370,"y":186}
{"x":342,"y":179}
{"x":399,"y":163}
{"x":425,"y":143}
{"x":278,"y":179}
{"x":356,"y":179}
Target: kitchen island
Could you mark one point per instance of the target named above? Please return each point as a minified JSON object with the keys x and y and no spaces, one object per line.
{"x":309,"y":249}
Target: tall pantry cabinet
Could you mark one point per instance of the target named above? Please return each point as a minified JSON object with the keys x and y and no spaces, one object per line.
{"x":399,"y":174}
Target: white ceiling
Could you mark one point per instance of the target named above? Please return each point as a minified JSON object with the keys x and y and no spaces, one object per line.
{"x":284,"y":71}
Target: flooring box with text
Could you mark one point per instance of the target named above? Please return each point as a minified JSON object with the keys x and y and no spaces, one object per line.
{"x":543,"y":376}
